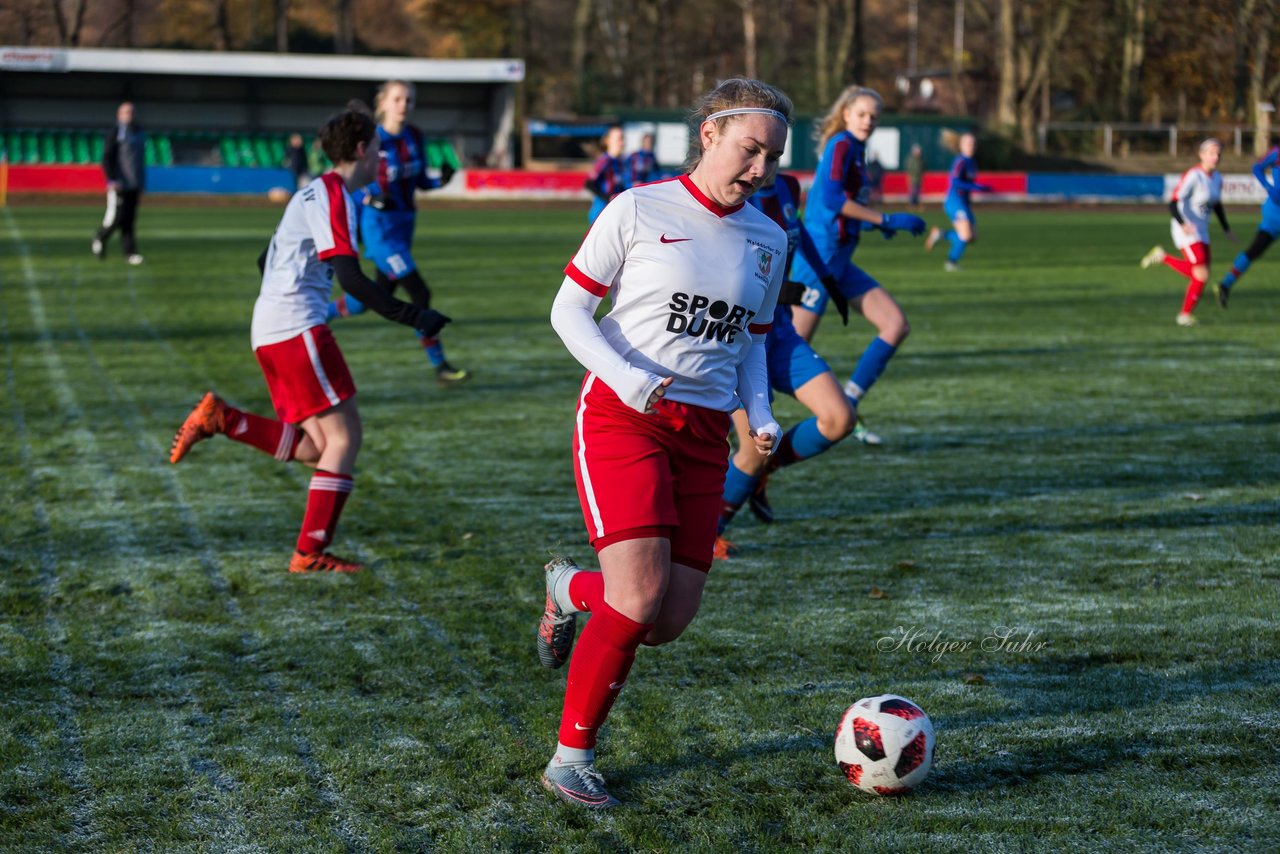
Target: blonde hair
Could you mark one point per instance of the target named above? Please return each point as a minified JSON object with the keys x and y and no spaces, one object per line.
{"x":382,"y":94}
{"x":728,"y":95}
{"x":833,"y":122}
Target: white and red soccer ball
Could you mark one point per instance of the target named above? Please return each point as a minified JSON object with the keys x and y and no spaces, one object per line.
{"x":884,"y":745}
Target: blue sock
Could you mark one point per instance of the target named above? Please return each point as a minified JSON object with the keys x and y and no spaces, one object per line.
{"x":804,"y":441}
{"x":738,"y":486}
{"x":872,"y":363}
{"x":433,"y":348}
{"x":957,"y":247}
{"x":1238,"y":267}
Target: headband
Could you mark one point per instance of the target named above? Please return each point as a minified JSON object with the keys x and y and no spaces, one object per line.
{"x":740,"y":111}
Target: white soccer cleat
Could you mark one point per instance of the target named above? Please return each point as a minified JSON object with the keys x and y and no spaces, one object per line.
{"x":1185,"y":319}
{"x":951,"y":267}
{"x":135,"y":259}
{"x":1155,"y":256}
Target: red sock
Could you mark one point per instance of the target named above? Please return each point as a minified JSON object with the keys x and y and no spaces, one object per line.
{"x":1182,"y":266}
{"x":272,"y":437}
{"x":1194,"y":289}
{"x":601,"y":661}
{"x":586,"y":590}
{"x":325,"y":499}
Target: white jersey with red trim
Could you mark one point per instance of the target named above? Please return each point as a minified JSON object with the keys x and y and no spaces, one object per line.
{"x":690,"y":283}
{"x":1196,"y":194}
{"x":319,"y":223}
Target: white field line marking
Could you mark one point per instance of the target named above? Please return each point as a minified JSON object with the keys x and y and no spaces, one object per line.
{"x":82,"y":806}
{"x":124,"y":537}
{"x":323,"y":782}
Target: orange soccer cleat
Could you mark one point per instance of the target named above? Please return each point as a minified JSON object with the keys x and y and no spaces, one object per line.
{"x":209,"y":417}
{"x":322,"y":562}
{"x":723,"y":549}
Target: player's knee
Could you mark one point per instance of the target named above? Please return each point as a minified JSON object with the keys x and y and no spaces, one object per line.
{"x":1200,"y":272}
{"x":838,"y":422}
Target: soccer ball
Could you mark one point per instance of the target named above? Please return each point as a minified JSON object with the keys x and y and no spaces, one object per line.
{"x":884,"y":745}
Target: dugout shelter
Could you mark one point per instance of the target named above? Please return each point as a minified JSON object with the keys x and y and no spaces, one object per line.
{"x":205,"y":108}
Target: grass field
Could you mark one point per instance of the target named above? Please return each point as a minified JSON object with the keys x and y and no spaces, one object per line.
{"x":1060,"y":460}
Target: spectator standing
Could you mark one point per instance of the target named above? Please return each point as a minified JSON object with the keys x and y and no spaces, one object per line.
{"x":124,"y":163}
{"x":915,"y":175}
{"x":295,"y":160}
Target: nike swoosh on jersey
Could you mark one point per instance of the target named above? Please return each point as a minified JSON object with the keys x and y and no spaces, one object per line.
{"x":666,"y":239}
{"x":580,"y":727}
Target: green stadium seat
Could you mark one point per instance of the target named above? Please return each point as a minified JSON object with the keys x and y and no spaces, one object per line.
{"x":95,"y":147}
{"x":278,"y":148}
{"x":13,"y":146}
{"x":48,"y":148}
{"x":65,"y":154}
{"x":262,"y":152}
{"x":149,"y":151}
{"x":440,"y":152}
{"x":83,"y":150}
{"x":164,"y":148}
{"x":230,"y":151}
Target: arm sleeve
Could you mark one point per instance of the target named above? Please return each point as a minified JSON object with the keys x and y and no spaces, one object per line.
{"x":1222,"y":215}
{"x":753,"y":388}
{"x":360,"y":286}
{"x":573,"y":318}
{"x":1176,"y":211}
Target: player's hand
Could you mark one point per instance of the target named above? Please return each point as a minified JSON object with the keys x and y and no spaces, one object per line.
{"x":904,"y":222}
{"x":766,"y":438}
{"x":446,"y":173}
{"x":114,"y":185}
{"x":430,"y":322}
{"x":838,"y":298}
{"x":986,"y":188}
{"x":651,"y":406}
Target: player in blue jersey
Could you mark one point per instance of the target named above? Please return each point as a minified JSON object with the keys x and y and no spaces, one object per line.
{"x":388,"y":213}
{"x":642,"y":165}
{"x":794,"y":369}
{"x":1268,"y":229}
{"x":963,"y":181}
{"x":835,"y":215}
{"x":608,"y":176}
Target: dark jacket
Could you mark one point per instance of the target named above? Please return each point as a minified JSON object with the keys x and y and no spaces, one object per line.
{"x":124,"y":157}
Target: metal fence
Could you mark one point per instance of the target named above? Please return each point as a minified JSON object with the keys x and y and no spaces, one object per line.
{"x":1123,"y":139}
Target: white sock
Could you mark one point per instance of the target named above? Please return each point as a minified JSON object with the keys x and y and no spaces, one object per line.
{"x":560,"y":592}
{"x":566,"y":755}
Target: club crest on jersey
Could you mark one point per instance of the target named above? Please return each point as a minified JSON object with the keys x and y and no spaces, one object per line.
{"x":700,"y":317}
{"x":765,"y":259}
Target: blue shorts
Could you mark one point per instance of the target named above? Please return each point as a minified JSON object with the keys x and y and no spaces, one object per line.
{"x":958,"y":209}
{"x":387,"y":237}
{"x":792,"y":361}
{"x":1270,"y":219}
{"x":854,"y":282}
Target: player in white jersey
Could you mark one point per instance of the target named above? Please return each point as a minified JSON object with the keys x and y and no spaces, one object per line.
{"x":311,"y":388}
{"x":693,"y":274}
{"x":1198,"y":192}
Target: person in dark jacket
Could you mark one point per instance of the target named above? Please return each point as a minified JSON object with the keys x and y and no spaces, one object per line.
{"x":124,"y":163}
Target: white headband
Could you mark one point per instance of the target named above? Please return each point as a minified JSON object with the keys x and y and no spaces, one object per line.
{"x":740,"y":111}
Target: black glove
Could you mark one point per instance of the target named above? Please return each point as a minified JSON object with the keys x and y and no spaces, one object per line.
{"x":378,"y":201}
{"x":262,"y":261}
{"x":791,"y":294}
{"x":839,"y":299}
{"x":430,"y":322}
{"x":446,"y":173}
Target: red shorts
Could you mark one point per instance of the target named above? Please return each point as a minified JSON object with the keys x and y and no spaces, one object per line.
{"x":306,"y":374}
{"x":1196,"y":253}
{"x":659,"y":475}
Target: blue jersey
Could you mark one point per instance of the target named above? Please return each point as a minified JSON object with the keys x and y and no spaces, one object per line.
{"x":642,"y":167}
{"x":402,"y":169}
{"x":841,"y":176}
{"x":1270,"y":209}
{"x":962,"y":179}
{"x":608,"y":176}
